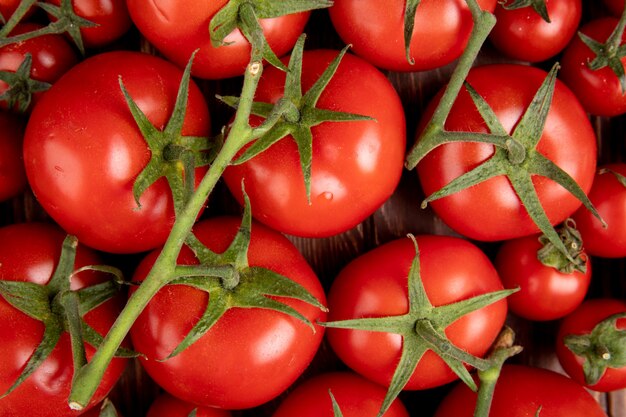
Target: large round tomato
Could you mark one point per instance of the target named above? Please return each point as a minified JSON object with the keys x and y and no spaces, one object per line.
{"x":523,"y":34}
{"x":609,"y":197}
{"x":375,"y":29}
{"x":545,"y":293}
{"x":355,"y":395}
{"x":29,"y":252}
{"x":522,"y":391}
{"x":12,"y":174}
{"x":166,"y":405}
{"x":581,"y":322}
{"x":492,"y":210}
{"x":178,"y":27}
{"x":356,"y":165}
{"x":599,"y":91}
{"x":375,"y":285}
{"x":250,"y":355}
{"x":83,"y":150}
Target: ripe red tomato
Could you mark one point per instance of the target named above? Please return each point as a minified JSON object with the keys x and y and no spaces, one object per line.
{"x":375,"y":29}
{"x":599,"y":91}
{"x":609,"y":197}
{"x":522,"y":391}
{"x":523,"y":34}
{"x":12,"y":173}
{"x":83,"y":150}
{"x":491,"y":210}
{"x":615,"y":6}
{"x":355,"y":395}
{"x":375,"y":285}
{"x":250,"y":355}
{"x":356,"y":161}
{"x":179,"y":27}
{"x":545,"y":292}
{"x":29,"y":252}
{"x":581,"y":322}
{"x":166,"y":405}
{"x":110,"y":16}
{"x":52,"y":56}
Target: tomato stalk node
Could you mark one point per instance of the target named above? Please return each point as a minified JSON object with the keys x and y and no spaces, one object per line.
{"x":550,"y":255}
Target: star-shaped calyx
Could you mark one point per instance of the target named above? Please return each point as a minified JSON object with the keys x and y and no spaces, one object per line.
{"x":515,"y":157}
{"x":21,"y":86}
{"x":295,"y":113}
{"x":538,"y":6}
{"x":61,"y":309}
{"x":422,"y":329}
{"x":233,"y":283}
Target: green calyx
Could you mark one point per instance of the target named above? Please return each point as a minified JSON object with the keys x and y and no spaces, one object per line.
{"x":232,"y":283}
{"x":515,"y":157}
{"x":551,"y":256}
{"x":538,"y":6}
{"x":604,"y":347}
{"x":245,"y":15}
{"x":21,"y":86}
{"x":60,"y":309}
{"x":173,"y":155}
{"x":65,"y":20}
{"x":295,"y":114}
{"x":422,"y":329}
{"x":610,"y":53}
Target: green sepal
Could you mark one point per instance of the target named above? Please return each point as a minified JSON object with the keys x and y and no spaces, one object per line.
{"x":619,"y":177}
{"x":550,"y":256}
{"x":538,"y":6}
{"x":410,"y":9}
{"x":232,"y":283}
{"x":295,"y":114}
{"x":172,"y":155}
{"x":107,"y":409}
{"x":193,"y":413}
{"x":423,"y":328}
{"x":604,"y":347}
{"x":336,"y":410}
{"x":19,"y":95}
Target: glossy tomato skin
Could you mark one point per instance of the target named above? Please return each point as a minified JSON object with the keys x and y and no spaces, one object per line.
{"x":250,"y":355}
{"x":521,"y":391}
{"x":355,"y":395}
{"x":12,"y":172}
{"x":491,"y":210}
{"x":352,"y":161}
{"x":608,"y":195}
{"x":29,"y":252}
{"x":523,"y":34}
{"x":375,"y":285}
{"x":83,"y":150}
{"x":545,"y":293}
{"x":375,"y":29}
{"x":580,"y":322}
{"x":52,"y":56}
{"x":166,"y":405}
{"x":599,"y":91}
{"x":179,"y":27}
{"x":110,"y":16}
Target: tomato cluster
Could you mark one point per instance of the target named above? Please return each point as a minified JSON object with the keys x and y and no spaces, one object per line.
{"x":205,"y":213}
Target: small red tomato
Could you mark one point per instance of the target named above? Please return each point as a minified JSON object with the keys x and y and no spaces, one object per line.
{"x":12,"y":173}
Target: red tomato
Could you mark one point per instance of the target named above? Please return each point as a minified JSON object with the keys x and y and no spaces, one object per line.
{"x":355,"y":395}
{"x":83,"y":150}
{"x":608,"y":195}
{"x":545,"y":292}
{"x":615,"y":6}
{"x":599,"y":91}
{"x":29,"y":252}
{"x":375,"y":285}
{"x":352,"y":161}
{"x":52,"y":56}
{"x":250,"y":355}
{"x":581,"y":322}
{"x":110,"y":16}
{"x":375,"y":29}
{"x":12,"y":174}
{"x":523,"y":34}
{"x":166,"y":405}
{"x":491,"y":210}
{"x":521,"y":391}
{"x":179,"y":27}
